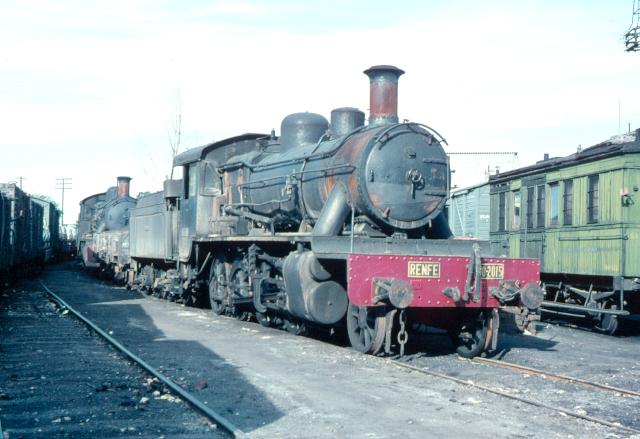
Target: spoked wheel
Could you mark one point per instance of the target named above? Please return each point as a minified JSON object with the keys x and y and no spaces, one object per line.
{"x":471,"y":336}
{"x":608,"y":322}
{"x":239,"y":287}
{"x":146,"y":277}
{"x":366,"y":328}
{"x":217,"y":286}
{"x":240,"y":313}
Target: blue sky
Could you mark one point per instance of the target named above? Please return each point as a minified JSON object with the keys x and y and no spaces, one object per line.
{"x":88,"y":89}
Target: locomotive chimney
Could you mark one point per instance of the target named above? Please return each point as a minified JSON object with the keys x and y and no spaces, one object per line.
{"x":123,"y":186}
{"x":383,"y":94}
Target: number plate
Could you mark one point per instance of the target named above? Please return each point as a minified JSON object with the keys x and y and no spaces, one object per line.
{"x":424,"y":270}
{"x":492,"y":271}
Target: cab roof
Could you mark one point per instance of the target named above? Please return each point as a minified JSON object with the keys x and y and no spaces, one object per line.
{"x":199,"y":152}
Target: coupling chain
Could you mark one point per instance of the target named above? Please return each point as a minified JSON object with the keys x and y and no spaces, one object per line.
{"x":403,"y":335}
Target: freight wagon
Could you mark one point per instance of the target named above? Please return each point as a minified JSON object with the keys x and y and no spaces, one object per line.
{"x":469,"y":212}
{"x":21,"y":233}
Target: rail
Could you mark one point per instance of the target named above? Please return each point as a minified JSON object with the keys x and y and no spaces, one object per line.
{"x":555,"y":376}
{"x":186,"y":396}
{"x":514,"y":397}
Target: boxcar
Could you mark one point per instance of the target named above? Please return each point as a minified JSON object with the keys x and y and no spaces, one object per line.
{"x":580,"y":215}
{"x":469,"y":212}
{"x":5,"y":244}
{"x":22,"y":225}
{"x":50,"y":228}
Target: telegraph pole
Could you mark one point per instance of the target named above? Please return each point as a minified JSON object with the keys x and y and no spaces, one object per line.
{"x":63,"y":183}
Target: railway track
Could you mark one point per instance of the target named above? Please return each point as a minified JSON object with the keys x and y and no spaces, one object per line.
{"x":186,"y":396}
{"x":555,"y":377}
{"x":513,"y":396}
{"x":529,"y":401}
{"x":69,"y":383}
{"x":510,"y":392}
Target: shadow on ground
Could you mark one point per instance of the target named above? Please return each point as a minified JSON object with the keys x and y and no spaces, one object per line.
{"x":197,"y":368}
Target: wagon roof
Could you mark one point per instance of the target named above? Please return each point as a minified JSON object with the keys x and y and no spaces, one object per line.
{"x":463,"y":190}
{"x":199,"y":152}
{"x":615,"y":146}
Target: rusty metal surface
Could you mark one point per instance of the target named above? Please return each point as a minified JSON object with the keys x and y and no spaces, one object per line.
{"x":383,"y":94}
{"x":429,"y":276}
{"x":123,"y":186}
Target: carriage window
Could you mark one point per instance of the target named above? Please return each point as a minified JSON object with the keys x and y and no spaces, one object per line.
{"x":212,"y":181}
{"x":530,"y":207}
{"x":501,"y":211}
{"x":567,"y":203}
{"x":554,"y":193}
{"x":540,"y":206}
{"x":515,"y":221}
{"x":593,"y":198}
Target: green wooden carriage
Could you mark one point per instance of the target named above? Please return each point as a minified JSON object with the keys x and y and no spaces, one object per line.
{"x":580,"y":215}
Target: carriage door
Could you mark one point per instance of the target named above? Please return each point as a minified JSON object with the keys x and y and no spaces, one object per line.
{"x":188,"y":209}
{"x":532,"y":238}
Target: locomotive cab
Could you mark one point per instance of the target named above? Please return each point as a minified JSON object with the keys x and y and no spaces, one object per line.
{"x":204,"y":196}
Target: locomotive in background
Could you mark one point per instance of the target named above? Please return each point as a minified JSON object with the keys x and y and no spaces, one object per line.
{"x":102,"y":234}
{"x":326,"y":225}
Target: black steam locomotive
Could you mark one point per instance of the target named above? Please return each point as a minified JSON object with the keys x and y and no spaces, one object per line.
{"x":327,"y":225}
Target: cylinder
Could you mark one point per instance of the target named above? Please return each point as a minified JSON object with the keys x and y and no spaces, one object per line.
{"x":383,"y":94}
{"x":123,"y":186}
{"x":345,"y":120}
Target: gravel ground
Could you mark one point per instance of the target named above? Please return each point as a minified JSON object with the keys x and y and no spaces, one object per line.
{"x":581,"y":354}
{"x":59,"y":380}
{"x":272,"y":384}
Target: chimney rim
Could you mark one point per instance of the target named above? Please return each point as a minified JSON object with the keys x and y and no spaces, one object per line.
{"x":384,"y":68}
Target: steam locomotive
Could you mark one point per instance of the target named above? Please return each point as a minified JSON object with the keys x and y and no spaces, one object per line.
{"x":328,"y":225}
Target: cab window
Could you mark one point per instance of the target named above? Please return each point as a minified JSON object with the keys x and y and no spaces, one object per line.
{"x":190,"y":178}
{"x":212,"y":183}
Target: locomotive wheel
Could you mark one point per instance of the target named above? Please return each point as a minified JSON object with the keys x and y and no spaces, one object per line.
{"x":608,"y":322}
{"x":217,"y":286}
{"x":471,"y":336}
{"x":293,"y":327}
{"x":240,"y":314}
{"x":366,"y":328}
{"x":264,"y":319}
{"x":239,"y":287}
